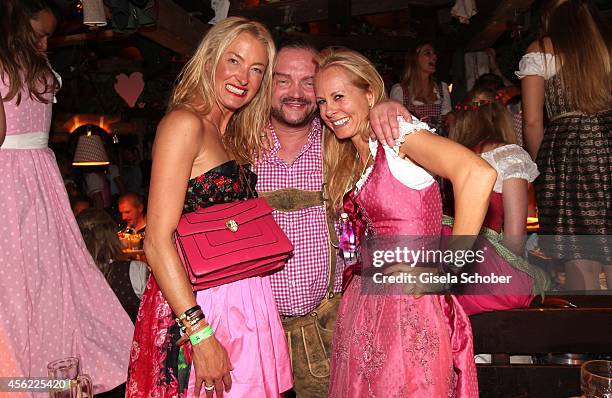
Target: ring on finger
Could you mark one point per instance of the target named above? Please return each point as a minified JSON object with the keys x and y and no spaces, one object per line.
{"x":209,"y":388}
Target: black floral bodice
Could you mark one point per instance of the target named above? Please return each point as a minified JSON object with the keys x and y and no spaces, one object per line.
{"x":227,"y":182}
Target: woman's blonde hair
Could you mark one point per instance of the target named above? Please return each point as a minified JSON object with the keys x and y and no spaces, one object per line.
{"x":100,"y":235}
{"x":195,"y":86}
{"x":583,"y":53}
{"x":482,"y":118}
{"x":410,"y":77}
{"x":340,"y":156}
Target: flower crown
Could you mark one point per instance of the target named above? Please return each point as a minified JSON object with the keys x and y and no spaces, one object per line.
{"x":472,"y":106}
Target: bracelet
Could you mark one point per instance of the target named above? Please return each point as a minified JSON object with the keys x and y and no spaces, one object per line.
{"x":201,"y":335}
{"x":189,"y":318}
{"x":191,"y":323}
{"x":190,"y":311}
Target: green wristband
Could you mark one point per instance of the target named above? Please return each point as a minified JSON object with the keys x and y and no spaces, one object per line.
{"x":201,"y":335}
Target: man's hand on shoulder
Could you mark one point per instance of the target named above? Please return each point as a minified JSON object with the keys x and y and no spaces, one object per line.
{"x":383,"y":119}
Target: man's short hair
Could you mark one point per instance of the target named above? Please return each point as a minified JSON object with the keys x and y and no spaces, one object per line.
{"x":296,"y":41}
{"x":136,"y":199}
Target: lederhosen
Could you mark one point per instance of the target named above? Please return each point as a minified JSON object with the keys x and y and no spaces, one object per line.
{"x":310,"y":336}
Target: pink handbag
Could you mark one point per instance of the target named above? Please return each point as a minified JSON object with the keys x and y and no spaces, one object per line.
{"x":230,"y":241}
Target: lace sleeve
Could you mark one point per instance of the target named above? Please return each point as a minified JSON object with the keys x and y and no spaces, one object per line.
{"x":510,"y":161}
{"x":537,"y":64}
{"x":407,"y":128}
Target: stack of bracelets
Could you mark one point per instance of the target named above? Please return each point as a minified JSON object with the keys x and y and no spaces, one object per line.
{"x":191,"y":322}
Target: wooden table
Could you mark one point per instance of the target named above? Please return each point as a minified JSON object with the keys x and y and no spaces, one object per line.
{"x":533,"y":331}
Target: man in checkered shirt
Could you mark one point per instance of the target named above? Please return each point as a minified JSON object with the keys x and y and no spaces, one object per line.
{"x":294,"y":160}
{"x":292,"y":165}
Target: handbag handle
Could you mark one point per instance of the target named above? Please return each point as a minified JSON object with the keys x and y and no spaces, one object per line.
{"x":252,"y":193}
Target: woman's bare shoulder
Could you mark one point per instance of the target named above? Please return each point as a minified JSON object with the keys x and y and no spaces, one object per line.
{"x":181,"y":122}
{"x":536,"y":46}
{"x":182,"y":117}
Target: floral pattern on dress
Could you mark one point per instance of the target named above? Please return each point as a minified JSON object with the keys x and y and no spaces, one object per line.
{"x":424,"y":341}
{"x":157,"y":366}
{"x":222,"y":184}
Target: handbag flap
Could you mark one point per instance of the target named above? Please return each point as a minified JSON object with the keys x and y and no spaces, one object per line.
{"x":216,"y":218}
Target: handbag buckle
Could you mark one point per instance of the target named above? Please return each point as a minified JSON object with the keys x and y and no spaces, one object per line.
{"x":232,"y":225}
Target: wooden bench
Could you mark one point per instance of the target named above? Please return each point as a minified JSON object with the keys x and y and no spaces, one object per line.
{"x":533,"y":331}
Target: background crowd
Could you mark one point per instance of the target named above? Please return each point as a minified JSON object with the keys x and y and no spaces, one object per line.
{"x":318,"y":134}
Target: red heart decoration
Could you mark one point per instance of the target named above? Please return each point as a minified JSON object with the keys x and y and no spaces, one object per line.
{"x":130,"y":88}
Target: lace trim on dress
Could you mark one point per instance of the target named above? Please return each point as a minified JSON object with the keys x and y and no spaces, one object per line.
{"x":407,"y":128}
{"x":510,"y":161}
{"x":537,"y":64}
{"x":403,"y":169}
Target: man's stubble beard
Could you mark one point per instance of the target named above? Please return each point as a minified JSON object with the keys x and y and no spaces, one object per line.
{"x":278,"y":115}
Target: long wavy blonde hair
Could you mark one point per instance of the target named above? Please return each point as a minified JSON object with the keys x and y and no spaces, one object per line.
{"x":583,"y":53}
{"x":195,"y":86}
{"x":490,"y":121}
{"x":340,"y":156}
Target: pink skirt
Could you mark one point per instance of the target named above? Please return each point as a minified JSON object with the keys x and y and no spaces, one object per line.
{"x":244,"y":317}
{"x":401,"y":346}
{"x":55,"y":301}
{"x":246,"y":323}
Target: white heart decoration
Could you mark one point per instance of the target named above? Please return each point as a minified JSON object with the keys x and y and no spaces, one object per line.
{"x":130,"y":88}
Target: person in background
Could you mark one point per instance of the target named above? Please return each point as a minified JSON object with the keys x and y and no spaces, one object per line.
{"x":79,"y":203}
{"x":420,"y":91}
{"x":54,"y":301}
{"x":484,"y":125}
{"x":510,"y":96}
{"x":97,"y":187}
{"x":568,"y":72}
{"x":396,"y":345}
{"x":132,"y":210}
{"x":126,"y":278}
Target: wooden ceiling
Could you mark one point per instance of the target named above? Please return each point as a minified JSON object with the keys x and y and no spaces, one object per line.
{"x":180,"y":30}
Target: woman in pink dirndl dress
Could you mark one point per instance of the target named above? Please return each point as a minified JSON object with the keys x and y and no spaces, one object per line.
{"x":54,"y":301}
{"x":394,"y":344}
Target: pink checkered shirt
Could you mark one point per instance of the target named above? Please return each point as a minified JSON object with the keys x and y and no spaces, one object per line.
{"x":301,"y":286}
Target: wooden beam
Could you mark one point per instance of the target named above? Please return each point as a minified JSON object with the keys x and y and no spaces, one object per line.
{"x":176,"y":29}
{"x":301,"y":11}
{"x":493,"y":23}
{"x":92,"y":35}
{"x":365,"y":42}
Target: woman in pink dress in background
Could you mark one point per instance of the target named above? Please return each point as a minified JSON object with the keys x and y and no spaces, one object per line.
{"x":484,"y":125}
{"x":54,"y":302}
{"x":395,"y":345}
